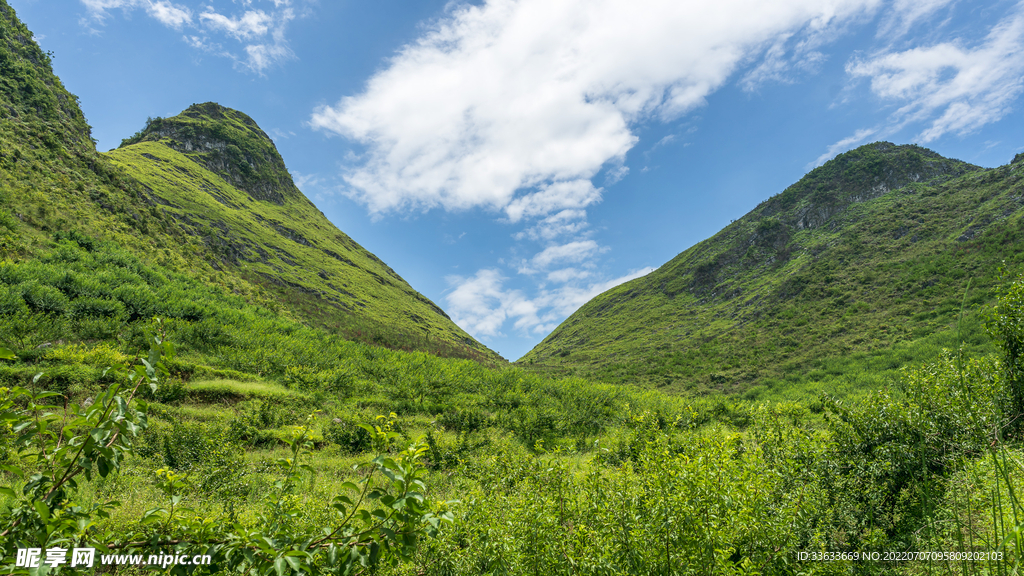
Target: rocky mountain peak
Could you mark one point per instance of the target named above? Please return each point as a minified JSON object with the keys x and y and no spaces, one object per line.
{"x":227,"y":142}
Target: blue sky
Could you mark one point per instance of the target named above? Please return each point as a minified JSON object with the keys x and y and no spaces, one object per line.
{"x":513,"y":158}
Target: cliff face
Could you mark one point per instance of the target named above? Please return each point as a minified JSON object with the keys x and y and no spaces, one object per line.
{"x":228,"y":143}
{"x":857,"y":176}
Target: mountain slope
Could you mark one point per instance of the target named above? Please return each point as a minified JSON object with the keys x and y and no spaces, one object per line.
{"x":205,"y":194}
{"x":863,"y":257}
{"x":219,"y":177}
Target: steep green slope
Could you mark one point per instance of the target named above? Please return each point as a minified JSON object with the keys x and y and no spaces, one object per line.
{"x":861,"y":265}
{"x":51,"y":177}
{"x":205,"y":194}
{"x":219,"y":177}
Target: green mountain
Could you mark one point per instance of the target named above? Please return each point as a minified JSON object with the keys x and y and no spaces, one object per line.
{"x":861,"y":265}
{"x":221,"y":180}
{"x":205,"y":194}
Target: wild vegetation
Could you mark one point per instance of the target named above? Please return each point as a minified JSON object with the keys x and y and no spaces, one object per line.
{"x":155,"y":399}
{"x":254,"y":439}
{"x":837,"y":282}
{"x":224,"y":212}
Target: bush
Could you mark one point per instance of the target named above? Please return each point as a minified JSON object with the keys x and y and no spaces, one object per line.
{"x":139,"y":301}
{"x":205,"y":334}
{"x":464,"y":420}
{"x":96,"y":328}
{"x":79,"y":285}
{"x":176,"y":304}
{"x":11,"y":302}
{"x":68,"y":379}
{"x":27,"y":330}
{"x":1006,"y":324}
{"x":97,"y":308}
{"x":102,"y":355}
{"x":347,"y":434}
{"x":188,"y":446}
{"x":43,"y":299}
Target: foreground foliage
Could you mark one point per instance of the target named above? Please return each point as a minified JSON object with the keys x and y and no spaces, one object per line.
{"x":381,"y":521}
{"x":538,"y":475}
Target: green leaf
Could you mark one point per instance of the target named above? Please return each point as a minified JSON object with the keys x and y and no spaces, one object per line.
{"x":42,"y":510}
{"x":6,"y":354}
{"x":280,"y":565}
{"x":153,"y":515}
{"x":13,"y":470}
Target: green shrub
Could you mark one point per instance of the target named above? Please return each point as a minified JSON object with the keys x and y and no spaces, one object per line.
{"x":11,"y":302}
{"x":464,"y":420}
{"x":69,"y":379}
{"x":88,"y":328}
{"x":139,"y":301}
{"x":26,"y":330}
{"x":348,"y":434}
{"x":190,"y":445}
{"x":177,"y":304}
{"x":43,"y":299}
{"x":205,"y":334}
{"x":97,"y":308}
{"x":1006,"y":324}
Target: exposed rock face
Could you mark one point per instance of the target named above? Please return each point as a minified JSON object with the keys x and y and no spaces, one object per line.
{"x":226,"y":142}
{"x":858,"y":176}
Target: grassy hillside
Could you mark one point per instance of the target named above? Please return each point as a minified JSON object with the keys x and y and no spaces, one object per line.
{"x":857,"y":269}
{"x":154,"y":399}
{"x":205,"y":194}
{"x":220,"y":179}
{"x":536,"y":475}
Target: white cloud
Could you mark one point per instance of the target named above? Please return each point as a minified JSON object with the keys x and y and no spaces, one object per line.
{"x":668,"y":140}
{"x":905,"y":13}
{"x":252,"y":24}
{"x":261,"y":33}
{"x":565,"y":223}
{"x":568,"y":299}
{"x":566,"y":274}
{"x":482,"y":305}
{"x":549,"y":198}
{"x":514,"y":95}
{"x":264,"y":31}
{"x":615,"y":175}
{"x":305,"y":180}
{"x":170,"y":15}
{"x":954,"y":88}
{"x":842,"y":146}
{"x":572,"y":252}
{"x":99,"y":7}
{"x":279,"y":134}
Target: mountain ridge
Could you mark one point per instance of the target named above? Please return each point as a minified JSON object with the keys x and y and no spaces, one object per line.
{"x":827,"y":269}
{"x":220,"y":177}
{"x":204,"y":193}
